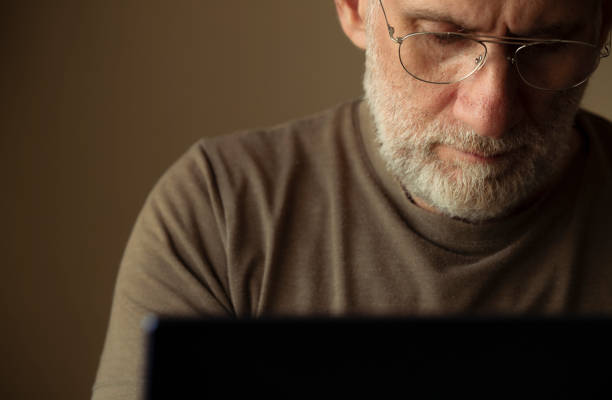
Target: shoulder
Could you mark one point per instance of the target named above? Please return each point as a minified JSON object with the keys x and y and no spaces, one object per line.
{"x":215,"y":170}
{"x":229,"y":163}
{"x":291,"y":140}
{"x":592,"y":119}
{"x":221,"y":204}
{"x":595,"y":127}
{"x":266,"y":145}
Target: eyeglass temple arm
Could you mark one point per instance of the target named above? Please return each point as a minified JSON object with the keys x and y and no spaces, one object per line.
{"x":389,"y":27}
{"x":605,"y":50}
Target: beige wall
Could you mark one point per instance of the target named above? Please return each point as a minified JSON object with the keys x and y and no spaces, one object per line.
{"x":98,"y":98}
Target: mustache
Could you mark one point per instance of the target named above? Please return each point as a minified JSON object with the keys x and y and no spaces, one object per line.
{"x":469,"y":141}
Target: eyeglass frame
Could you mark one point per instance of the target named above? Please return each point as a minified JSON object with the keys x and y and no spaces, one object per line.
{"x":522,"y":42}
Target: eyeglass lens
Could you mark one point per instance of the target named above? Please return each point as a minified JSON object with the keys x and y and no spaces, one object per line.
{"x":448,"y":58}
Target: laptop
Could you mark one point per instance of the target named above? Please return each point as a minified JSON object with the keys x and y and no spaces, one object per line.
{"x":486,"y":357}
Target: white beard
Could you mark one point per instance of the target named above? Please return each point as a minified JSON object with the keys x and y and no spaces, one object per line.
{"x":471,"y":191}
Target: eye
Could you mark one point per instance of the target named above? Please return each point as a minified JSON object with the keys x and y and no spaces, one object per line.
{"x":446,"y":38}
{"x":440,"y":26}
{"x":552,"y":48}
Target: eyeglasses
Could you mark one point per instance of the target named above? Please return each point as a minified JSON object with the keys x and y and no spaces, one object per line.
{"x":450,"y":57}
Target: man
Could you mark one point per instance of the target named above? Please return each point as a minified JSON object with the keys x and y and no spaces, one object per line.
{"x":467,"y":182}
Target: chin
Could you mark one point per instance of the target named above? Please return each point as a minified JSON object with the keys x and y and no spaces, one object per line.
{"x":471,"y":192}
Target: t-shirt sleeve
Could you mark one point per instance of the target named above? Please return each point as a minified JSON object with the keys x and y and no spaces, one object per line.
{"x":173,"y":264}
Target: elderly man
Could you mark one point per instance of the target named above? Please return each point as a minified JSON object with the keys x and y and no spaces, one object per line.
{"x":466,"y":181}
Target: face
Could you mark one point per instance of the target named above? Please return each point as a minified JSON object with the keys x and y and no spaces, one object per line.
{"x":480,"y":148}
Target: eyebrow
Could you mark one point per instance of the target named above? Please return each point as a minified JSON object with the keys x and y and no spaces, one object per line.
{"x":434,"y":15}
{"x":557,"y":30}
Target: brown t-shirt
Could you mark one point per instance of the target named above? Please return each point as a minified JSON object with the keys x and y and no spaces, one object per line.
{"x":304,"y":219}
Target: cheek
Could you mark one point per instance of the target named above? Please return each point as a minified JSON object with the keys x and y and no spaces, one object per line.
{"x":545,"y":109}
{"x":433,"y":102}
{"x":411,"y":96}
{"x":537,"y":104}
{"x":425,"y":98}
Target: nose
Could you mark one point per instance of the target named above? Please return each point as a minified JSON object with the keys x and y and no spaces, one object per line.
{"x":487,"y":101}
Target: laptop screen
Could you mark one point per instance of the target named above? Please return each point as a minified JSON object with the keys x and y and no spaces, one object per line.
{"x":492,"y":357}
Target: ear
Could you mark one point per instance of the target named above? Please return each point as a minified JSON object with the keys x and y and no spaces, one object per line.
{"x":606,"y":23}
{"x":352,"y":16}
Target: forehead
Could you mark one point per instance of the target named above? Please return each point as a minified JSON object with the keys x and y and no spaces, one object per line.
{"x":510,"y":16}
